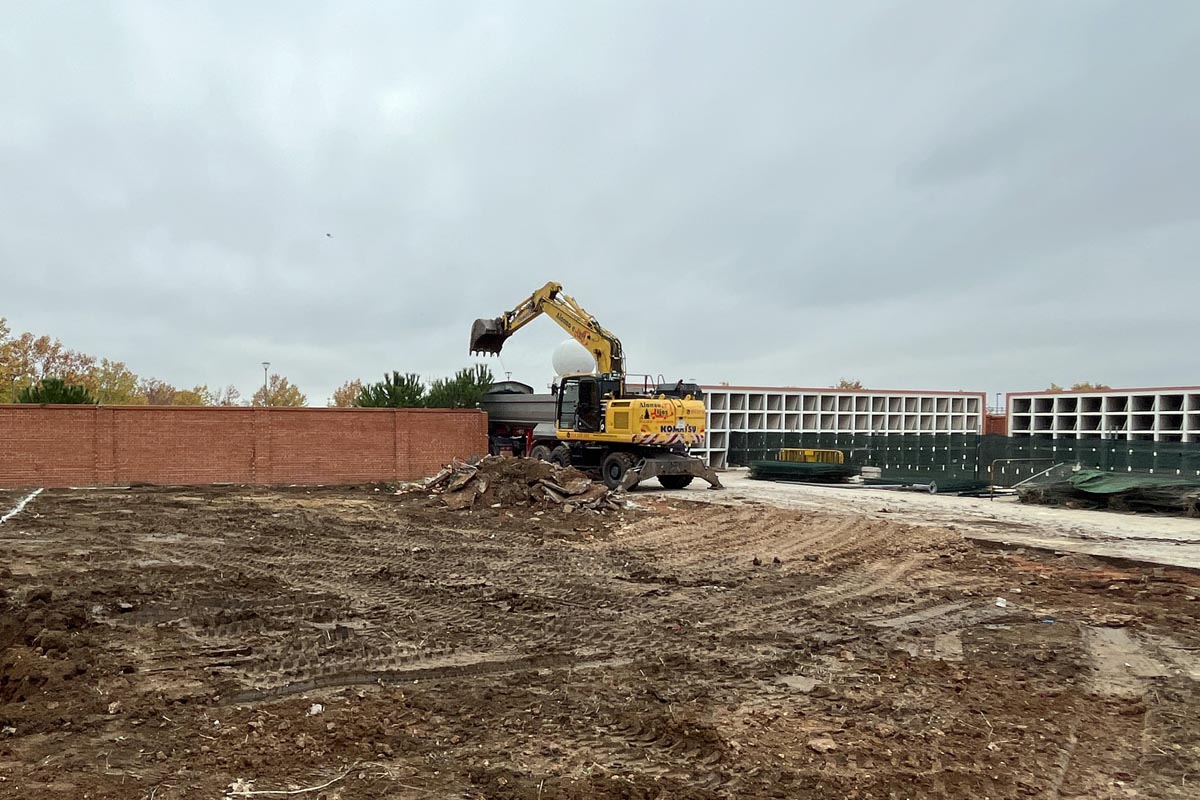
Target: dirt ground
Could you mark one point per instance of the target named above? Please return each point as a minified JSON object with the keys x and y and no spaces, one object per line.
{"x":1156,"y":538}
{"x":186,"y":643}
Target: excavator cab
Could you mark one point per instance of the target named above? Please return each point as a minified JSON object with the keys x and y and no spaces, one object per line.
{"x":580,"y":402}
{"x":488,"y":336}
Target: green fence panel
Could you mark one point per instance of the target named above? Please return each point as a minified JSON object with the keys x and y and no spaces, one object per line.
{"x":1004,"y":460}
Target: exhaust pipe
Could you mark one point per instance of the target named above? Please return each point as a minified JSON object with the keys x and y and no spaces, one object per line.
{"x":488,"y":336}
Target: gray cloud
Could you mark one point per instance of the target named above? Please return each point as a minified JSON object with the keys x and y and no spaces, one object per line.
{"x":948,"y":195}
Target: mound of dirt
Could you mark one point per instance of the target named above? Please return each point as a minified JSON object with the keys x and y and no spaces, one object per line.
{"x":498,"y":482}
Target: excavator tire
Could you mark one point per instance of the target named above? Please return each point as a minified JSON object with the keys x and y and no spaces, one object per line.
{"x":540,"y":452}
{"x":615,"y":467}
{"x":561,"y":456}
{"x":675,"y":481}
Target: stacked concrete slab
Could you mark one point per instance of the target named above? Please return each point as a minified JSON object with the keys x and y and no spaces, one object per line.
{"x":807,"y":410}
{"x":1160,"y":414}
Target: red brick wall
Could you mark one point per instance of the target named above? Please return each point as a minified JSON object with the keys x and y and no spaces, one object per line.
{"x":996,"y":424}
{"x":102,"y":445}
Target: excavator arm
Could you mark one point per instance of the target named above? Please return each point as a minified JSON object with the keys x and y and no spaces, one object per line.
{"x":489,"y":335}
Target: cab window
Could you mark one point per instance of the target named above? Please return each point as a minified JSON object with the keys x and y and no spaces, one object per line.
{"x":568,"y":398}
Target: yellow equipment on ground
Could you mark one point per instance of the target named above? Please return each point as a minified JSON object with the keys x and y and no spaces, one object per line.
{"x":600,"y":424}
{"x":806,"y":456}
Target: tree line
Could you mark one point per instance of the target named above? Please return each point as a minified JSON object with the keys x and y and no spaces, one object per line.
{"x":39,"y":369}
{"x":409,"y":390}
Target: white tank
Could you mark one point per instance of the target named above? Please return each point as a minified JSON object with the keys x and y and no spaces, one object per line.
{"x":572,"y":358}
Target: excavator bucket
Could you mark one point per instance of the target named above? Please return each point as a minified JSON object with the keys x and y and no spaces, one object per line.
{"x":487,"y":336}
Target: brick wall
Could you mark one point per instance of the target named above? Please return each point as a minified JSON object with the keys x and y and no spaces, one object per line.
{"x":996,"y":425}
{"x":114,"y":445}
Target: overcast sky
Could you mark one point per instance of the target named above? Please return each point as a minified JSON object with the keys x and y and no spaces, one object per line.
{"x":932,"y":195}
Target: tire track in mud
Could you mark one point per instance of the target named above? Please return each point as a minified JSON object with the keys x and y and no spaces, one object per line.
{"x":869,"y":581}
{"x":723,"y":548}
{"x":329,"y":678}
{"x":1123,"y":664}
{"x":731,"y":542}
{"x":440,"y":612}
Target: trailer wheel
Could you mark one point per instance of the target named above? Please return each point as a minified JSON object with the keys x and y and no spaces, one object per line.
{"x":561,"y":456}
{"x":541,"y":452}
{"x":674,"y":481}
{"x":615,"y":467}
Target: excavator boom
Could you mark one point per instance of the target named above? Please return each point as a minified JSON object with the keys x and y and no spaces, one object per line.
{"x":489,"y":335}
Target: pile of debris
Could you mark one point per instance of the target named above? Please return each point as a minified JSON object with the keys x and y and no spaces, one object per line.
{"x":499,"y":482}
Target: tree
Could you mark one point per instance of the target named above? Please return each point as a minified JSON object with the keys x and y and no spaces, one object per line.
{"x":279,"y":392}
{"x":55,"y":390}
{"x":197,"y":396}
{"x":465,"y":390}
{"x":26,"y":359}
{"x":156,"y":392}
{"x":8,"y":377}
{"x":29,"y":358}
{"x":229,"y":396}
{"x":113,"y":383}
{"x":1080,"y":387}
{"x":849,"y":385}
{"x":394,"y":391}
{"x":345,"y":395}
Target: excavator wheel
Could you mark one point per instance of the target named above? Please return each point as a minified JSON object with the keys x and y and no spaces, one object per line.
{"x":540,"y":452}
{"x":674,"y":481}
{"x":615,"y":467}
{"x":561,"y":456}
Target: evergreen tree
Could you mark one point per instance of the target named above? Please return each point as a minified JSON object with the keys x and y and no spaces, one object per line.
{"x":55,"y":390}
{"x":394,"y":391}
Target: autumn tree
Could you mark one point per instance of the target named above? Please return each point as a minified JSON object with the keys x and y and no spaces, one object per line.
{"x":229,"y":396}
{"x":846,"y":384}
{"x":345,"y":395}
{"x":1080,"y":387}
{"x":8,"y":379}
{"x":156,"y":392}
{"x":113,"y":383}
{"x":28,"y":358}
{"x":197,"y":396}
{"x":55,"y":390}
{"x":279,"y":392}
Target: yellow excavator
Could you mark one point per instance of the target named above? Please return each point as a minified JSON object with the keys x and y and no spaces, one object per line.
{"x":600,"y":423}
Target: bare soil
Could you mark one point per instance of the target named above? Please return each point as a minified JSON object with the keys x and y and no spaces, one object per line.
{"x":172,"y":643}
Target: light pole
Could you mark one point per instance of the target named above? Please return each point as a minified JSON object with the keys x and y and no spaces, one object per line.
{"x":265,"y":365}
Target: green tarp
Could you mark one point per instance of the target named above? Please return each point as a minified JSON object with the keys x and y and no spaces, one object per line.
{"x":1096,"y":482}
